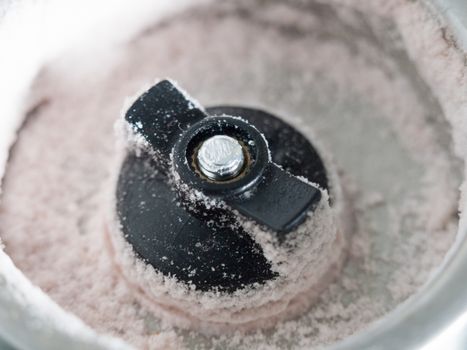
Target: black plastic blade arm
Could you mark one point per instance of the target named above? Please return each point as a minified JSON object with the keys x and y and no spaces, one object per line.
{"x":161,"y":114}
{"x":281,"y":201}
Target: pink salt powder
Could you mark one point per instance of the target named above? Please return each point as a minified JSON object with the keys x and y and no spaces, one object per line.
{"x":325,"y":77}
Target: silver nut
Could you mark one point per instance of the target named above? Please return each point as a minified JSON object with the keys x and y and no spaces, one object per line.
{"x":220,"y":157}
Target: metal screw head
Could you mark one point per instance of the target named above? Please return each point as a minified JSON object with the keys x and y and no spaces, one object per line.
{"x":220,"y":157}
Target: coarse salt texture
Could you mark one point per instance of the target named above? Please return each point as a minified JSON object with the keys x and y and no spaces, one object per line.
{"x":370,"y":82}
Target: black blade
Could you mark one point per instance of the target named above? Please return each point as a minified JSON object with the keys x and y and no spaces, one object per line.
{"x":161,"y":114}
{"x":280,"y":201}
{"x":165,"y":114}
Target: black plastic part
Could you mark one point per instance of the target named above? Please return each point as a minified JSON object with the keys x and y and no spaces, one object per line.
{"x":175,"y":126}
{"x":161,"y":114}
{"x":280,"y":201}
{"x":247,"y":134}
{"x":265,"y":193}
{"x":179,"y":244}
{"x":207,"y":246}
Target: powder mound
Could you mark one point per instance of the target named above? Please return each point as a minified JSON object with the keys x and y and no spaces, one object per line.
{"x":305,"y":263}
